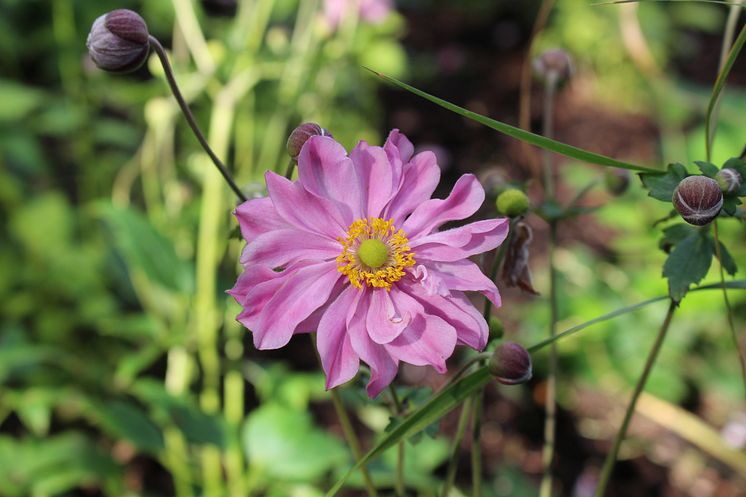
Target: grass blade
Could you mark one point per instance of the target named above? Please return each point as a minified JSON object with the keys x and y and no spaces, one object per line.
{"x":526,"y":136}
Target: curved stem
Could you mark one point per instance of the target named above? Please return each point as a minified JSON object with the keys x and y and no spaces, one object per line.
{"x":611,"y":457}
{"x":399,"y":482}
{"x":290,"y":169}
{"x":728,"y":308}
{"x":351,"y":437}
{"x":161,"y":53}
{"x":458,"y":437}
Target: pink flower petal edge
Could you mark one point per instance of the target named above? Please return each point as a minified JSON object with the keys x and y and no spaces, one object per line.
{"x":400,"y":300}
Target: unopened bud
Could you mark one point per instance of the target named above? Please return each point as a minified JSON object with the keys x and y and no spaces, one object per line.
{"x":512,"y":202}
{"x":554,"y":64}
{"x":119,"y":41}
{"x":729,"y":180}
{"x":617,"y":181}
{"x":300,"y":136}
{"x":698,"y":199}
{"x":510,"y":364}
{"x":497,"y":330}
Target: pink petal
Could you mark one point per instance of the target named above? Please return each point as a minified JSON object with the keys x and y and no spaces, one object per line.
{"x":339,"y":360}
{"x":420,"y":178}
{"x":465,"y":198}
{"x":325,"y":170}
{"x":389,"y":313}
{"x":398,"y":147}
{"x":456,"y":310}
{"x":302,"y":209}
{"x":258,"y":216}
{"x":281,"y":247}
{"x":383,"y":367}
{"x":428,"y":340}
{"x":460,"y":243}
{"x":379,"y":178}
{"x":464,"y":275}
{"x":275,"y":308}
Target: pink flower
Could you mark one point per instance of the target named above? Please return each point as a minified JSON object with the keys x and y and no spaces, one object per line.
{"x":371,"y":11}
{"x":362,"y":261}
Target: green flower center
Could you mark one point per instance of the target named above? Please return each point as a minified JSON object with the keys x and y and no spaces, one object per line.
{"x":373,"y":253}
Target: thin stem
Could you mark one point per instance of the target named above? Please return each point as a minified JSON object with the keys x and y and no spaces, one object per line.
{"x":550,"y":88}
{"x":476,"y":445}
{"x":611,"y":457}
{"x":161,"y":53}
{"x":458,"y":437}
{"x":351,"y":437}
{"x":399,"y":485}
{"x":289,"y":170}
{"x":728,"y":308}
{"x":550,"y":422}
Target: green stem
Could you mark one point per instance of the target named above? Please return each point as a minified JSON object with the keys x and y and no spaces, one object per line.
{"x":351,"y":437}
{"x":399,"y":485}
{"x":550,"y":88}
{"x":161,"y":53}
{"x":728,"y":308}
{"x":612,"y":456}
{"x":476,"y":445}
{"x":456,"y":447}
{"x":290,"y":169}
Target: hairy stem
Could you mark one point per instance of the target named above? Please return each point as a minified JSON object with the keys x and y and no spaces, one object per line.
{"x":161,"y":53}
{"x":621,"y":434}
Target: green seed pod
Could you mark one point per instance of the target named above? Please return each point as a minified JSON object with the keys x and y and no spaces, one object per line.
{"x":729,"y":180}
{"x":497,"y":330}
{"x":512,"y":202}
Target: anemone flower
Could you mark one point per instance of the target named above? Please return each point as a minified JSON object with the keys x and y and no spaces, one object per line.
{"x":352,"y":250}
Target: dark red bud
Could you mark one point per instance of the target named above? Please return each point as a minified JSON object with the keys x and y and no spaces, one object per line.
{"x":300,"y":136}
{"x":510,"y":364}
{"x":698,"y":199}
{"x":119,"y":41}
{"x":617,"y":181}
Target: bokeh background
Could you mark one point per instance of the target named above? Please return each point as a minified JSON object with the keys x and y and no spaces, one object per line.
{"x":122,"y":370}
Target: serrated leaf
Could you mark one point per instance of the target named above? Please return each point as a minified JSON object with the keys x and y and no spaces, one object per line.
{"x":730,"y":205}
{"x":520,"y":134}
{"x":707,"y":168}
{"x":726,"y":259}
{"x":687,"y":264}
{"x":661,"y":186}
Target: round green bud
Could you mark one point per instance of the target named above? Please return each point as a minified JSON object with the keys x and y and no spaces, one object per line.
{"x":373,"y":253}
{"x":497,"y":330}
{"x":729,"y":180}
{"x":512,"y":202}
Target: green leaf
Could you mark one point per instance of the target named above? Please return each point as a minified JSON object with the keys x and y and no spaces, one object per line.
{"x":146,"y":250}
{"x":526,"y":136}
{"x":661,"y":186}
{"x":718,"y":87}
{"x":284,"y":444}
{"x":725,"y":259}
{"x":127,"y":421}
{"x":437,"y":407}
{"x":707,"y":168}
{"x":18,"y":101}
{"x":687,"y":264}
{"x":730,"y":205}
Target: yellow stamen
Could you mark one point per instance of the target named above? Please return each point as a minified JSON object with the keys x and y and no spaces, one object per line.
{"x":356,"y":254}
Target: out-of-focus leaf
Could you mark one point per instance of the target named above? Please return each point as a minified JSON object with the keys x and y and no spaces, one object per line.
{"x":146,"y":250}
{"x":284,"y":444}
{"x":687,"y":264}
{"x":725,"y":258}
{"x":18,"y":101}
{"x":198,"y":427}
{"x":127,"y":421}
{"x":661,"y":186}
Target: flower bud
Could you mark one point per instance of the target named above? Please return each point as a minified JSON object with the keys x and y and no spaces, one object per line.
{"x":617,"y":181}
{"x":497,"y":330}
{"x":555,"y":64}
{"x":729,"y":180}
{"x":510,"y":364}
{"x":698,"y":199}
{"x":300,"y":136}
{"x":512,"y":202}
{"x":118,"y":41}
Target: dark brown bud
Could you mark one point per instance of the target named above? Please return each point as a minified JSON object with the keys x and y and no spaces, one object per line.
{"x":119,"y":41}
{"x":617,"y":181}
{"x":729,"y":180}
{"x":300,"y":136}
{"x":515,"y":270}
{"x":554,"y":64}
{"x":510,"y":364}
{"x":698,"y":199}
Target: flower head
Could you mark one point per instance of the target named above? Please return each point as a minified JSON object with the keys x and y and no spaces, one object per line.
{"x":353,"y":251}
